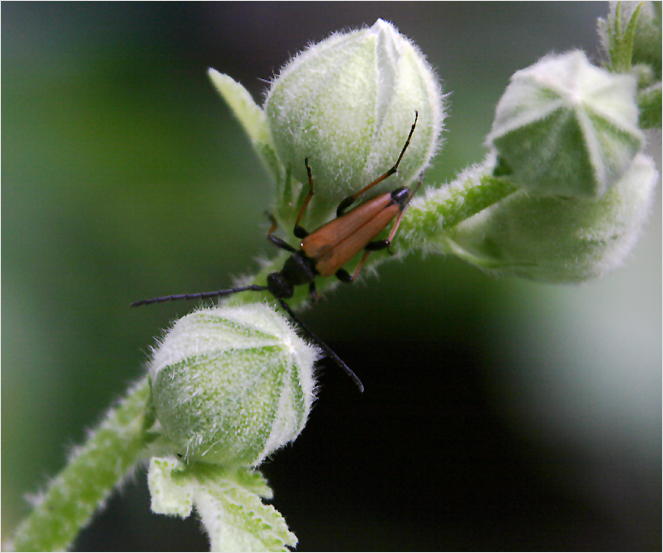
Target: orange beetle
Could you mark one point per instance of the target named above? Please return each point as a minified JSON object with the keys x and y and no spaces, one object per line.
{"x":324,"y":251}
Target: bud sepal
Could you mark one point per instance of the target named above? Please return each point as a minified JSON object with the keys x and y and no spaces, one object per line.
{"x":252,"y":119}
{"x":347,"y":105}
{"x":631,"y":35}
{"x":228,"y":501}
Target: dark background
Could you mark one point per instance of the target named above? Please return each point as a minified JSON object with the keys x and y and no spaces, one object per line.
{"x":498,"y":414}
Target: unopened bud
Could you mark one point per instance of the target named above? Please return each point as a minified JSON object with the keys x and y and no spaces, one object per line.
{"x":567,"y":128}
{"x":230,"y":385}
{"x":347,"y":104}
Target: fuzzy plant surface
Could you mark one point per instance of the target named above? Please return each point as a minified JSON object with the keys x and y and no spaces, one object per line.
{"x":561,"y":196}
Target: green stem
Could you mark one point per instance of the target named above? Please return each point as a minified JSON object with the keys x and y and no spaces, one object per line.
{"x":449,"y":206}
{"x":112,"y":449}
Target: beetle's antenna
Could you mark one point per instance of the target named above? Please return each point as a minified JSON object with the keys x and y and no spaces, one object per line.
{"x":200,"y":295}
{"x":347,"y":202}
{"x":324,"y":346}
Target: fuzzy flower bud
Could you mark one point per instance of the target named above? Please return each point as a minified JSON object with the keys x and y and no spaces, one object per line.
{"x":567,"y":128}
{"x":347,"y":104}
{"x":555,"y":239}
{"x":230,"y":385}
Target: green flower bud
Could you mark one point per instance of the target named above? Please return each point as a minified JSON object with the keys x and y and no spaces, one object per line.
{"x":347,"y":104}
{"x":556,"y":239}
{"x":230,"y":385}
{"x":567,"y":128}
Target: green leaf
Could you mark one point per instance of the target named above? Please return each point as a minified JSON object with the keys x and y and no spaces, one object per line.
{"x":621,"y":44}
{"x":170,"y":496}
{"x":271,"y":161}
{"x":227,"y":500}
{"x":615,"y":35}
{"x":252,"y":118}
{"x":249,"y":114}
{"x":237,"y":520}
{"x":629,"y":36}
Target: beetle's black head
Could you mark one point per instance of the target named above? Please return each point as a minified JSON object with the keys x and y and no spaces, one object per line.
{"x":279,"y":286}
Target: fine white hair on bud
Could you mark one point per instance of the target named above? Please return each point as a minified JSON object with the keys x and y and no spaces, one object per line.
{"x":347,"y":104}
{"x":230,"y":385}
{"x":567,"y":128}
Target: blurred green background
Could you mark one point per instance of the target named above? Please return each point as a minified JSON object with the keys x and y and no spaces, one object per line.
{"x":499,"y":414}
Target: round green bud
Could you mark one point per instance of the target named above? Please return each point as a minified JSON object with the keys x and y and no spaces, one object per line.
{"x":557,"y":239}
{"x":230,"y":385}
{"x":347,"y":104}
{"x":567,"y":128}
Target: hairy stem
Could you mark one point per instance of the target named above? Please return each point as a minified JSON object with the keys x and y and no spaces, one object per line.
{"x":446,"y":207}
{"x":112,"y":449}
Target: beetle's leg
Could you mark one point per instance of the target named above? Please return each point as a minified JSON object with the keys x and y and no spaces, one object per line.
{"x":299,"y":231}
{"x":343,"y":275}
{"x":361,"y":264}
{"x":347,"y":202}
{"x":313,"y":293}
{"x":377,"y":245}
{"x":274,"y":239}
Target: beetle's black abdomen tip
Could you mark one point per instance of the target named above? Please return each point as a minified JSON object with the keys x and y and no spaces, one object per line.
{"x":400,"y":196}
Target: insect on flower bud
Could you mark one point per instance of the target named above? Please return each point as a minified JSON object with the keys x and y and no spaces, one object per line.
{"x":347,"y":104}
{"x":567,"y":128}
{"x":230,"y":385}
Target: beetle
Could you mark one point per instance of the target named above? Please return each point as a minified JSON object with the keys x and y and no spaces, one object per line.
{"x":324,"y":251}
